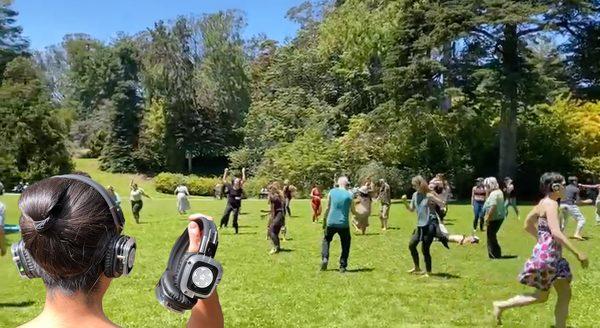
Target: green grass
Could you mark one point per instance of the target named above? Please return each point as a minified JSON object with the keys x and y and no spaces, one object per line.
{"x":287,"y":290}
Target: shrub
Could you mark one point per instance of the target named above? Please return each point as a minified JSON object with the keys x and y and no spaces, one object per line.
{"x":167,"y":182}
{"x":201,"y":186}
{"x":253,"y":186}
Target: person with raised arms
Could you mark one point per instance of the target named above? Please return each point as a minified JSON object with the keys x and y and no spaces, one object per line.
{"x":135,"y":196}
{"x":235,"y":193}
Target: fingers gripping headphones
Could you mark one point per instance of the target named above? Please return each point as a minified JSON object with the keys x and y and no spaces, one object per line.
{"x":190,"y":276}
{"x":120,"y":253}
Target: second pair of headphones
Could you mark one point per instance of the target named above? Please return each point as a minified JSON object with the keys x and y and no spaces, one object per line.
{"x":190,"y":276}
{"x":119,"y":257}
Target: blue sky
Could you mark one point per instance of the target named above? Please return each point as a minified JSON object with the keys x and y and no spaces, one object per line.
{"x":45,"y":22}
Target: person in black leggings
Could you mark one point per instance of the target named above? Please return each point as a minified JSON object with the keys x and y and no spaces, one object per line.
{"x":235,"y":192}
{"x":423,"y":202}
{"x":277,"y":215}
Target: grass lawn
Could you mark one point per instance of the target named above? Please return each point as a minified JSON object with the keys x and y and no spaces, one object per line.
{"x":288,"y":290}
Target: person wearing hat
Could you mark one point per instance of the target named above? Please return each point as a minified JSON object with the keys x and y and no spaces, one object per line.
{"x":477,"y":201}
{"x":510,"y":196}
{"x":385,"y":197}
{"x":362,"y":206}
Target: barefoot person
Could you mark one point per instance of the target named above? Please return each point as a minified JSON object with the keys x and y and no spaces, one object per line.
{"x":362,"y":206}
{"x":477,"y":201}
{"x":276,"y":215}
{"x":385,"y":197}
{"x":547,"y":267}
{"x":569,"y":207}
{"x":423,"y":201}
{"x":135,"y":196}
{"x":339,"y":205}
{"x":494,"y":214}
{"x":69,"y":232}
{"x":183,"y":204}
{"x":315,"y":202}
{"x":235,"y":192}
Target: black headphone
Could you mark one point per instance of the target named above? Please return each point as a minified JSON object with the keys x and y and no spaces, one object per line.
{"x":190,"y":276}
{"x":119,"y":257}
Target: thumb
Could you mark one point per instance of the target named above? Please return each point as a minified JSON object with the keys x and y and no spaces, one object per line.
{"x":195,"y":237}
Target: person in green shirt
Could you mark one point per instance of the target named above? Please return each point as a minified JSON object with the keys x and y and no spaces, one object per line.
{"x":494,"y":210}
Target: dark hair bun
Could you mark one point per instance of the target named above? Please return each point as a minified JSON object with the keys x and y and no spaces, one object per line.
{"x":65,"y":226}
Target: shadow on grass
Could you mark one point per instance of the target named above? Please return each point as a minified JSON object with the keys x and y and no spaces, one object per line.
{"x":248,"y":226}
{"x":506,"y":257}
{"x":584,"y":238}
{"x":360,"y":270}
{"x":285,"y":250}
{"x":445,"y":275}
{"x":16,"y":304}
{"x":448,"y":223}
{"x":393,"y":228}
{"x":242,"y":233}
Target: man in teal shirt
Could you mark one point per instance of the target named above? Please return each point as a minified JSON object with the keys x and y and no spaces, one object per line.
{"x":337,"y":215}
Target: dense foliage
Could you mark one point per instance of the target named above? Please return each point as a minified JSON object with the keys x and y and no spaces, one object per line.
{"x":375,"y":88}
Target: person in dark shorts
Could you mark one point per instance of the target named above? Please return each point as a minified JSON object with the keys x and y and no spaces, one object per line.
{"x":234,"y":193}
{"x":477,"y":201}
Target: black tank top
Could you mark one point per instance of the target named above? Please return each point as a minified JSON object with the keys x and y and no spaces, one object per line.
{"x":276,"y":204}
{"x":234,"y":196}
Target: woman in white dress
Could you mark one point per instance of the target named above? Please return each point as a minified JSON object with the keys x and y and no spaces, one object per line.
{"x":183,"y":204}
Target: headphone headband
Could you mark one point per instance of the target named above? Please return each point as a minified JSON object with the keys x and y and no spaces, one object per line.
{"x":115,"y":210}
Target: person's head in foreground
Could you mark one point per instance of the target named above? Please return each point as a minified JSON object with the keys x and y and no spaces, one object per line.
{"x":343,"y":182}
{"x":72,"y":236}
{"x":68,"y":229}
{"x":490,"y":184}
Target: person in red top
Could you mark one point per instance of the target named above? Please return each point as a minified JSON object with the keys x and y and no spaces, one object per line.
{"x":315,"y":195}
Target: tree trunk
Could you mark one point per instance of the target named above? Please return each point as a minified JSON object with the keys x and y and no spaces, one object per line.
{"x":507,"y":163}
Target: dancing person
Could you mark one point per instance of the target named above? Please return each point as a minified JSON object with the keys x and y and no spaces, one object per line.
{"x":385,"y":197}
{"x":276,"y":215}
{"x":113,"y":194}
{"x":597,"y":186}
{"x":135,"y":196}
{"x":423,"y":201}
{"x":2,"y":240}
{"x":66,"y":227}
{"x":288,"y":192}
{"x":440,"y":185}
{"x":315,"y":202}
{"x":477,"y":201}
{"x":569,"y":207}
{"x":362,"y":206}
{"x":510,"y":196}
{"x":494,"y":214}
{"x":235,"y":192}
{"x":547,"y":267}
{"x":339,"y":205}
{"x":182,"y":193}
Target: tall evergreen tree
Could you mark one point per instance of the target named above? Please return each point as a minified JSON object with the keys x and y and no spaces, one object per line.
{"x":12,"y":42}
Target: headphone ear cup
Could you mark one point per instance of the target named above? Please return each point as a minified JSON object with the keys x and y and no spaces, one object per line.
{"x":110,"y":257}
{"x":175,"y":294}
{"x":30,"y":267}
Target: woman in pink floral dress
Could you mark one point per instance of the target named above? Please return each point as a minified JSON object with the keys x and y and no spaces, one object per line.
{"x":547,"y":267}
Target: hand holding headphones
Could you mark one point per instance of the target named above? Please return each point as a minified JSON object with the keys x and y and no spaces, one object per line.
{"x":192,"y":273}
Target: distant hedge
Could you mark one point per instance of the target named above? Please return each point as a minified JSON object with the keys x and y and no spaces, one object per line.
{"x":198,"y":186}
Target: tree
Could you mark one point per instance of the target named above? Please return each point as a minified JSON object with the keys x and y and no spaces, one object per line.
{"x":126,"y":111}
{"x":12,"y":43}
{"x":34,"y":137}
